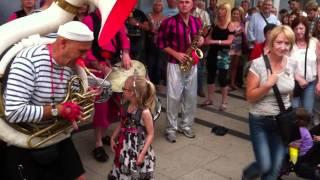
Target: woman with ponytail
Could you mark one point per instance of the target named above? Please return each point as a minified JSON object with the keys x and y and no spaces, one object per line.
{"x":131,"y":140}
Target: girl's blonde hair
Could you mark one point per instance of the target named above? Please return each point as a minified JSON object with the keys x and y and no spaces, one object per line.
{"x":286,"y":30}
{"x":227,"y":7}
{"x":144,"y":91}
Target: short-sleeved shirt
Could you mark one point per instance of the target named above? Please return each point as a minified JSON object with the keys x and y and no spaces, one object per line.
{"x":174,"y":33}
{"x":268,"y":105}
{"x":257,"y":24}
{"x":169,"y":12}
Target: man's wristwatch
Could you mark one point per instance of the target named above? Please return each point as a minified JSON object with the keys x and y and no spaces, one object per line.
{"x":54,"y":110}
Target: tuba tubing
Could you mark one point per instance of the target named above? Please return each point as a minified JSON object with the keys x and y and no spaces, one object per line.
{"x":41,"y":23}
{"x":47,"y":21}
{"x":23,"y":27}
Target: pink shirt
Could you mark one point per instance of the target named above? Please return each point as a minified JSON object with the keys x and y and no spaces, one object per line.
{"x":112,"y":45}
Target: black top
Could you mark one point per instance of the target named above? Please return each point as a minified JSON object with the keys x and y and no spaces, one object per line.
{"x":141,"y":18}
{"x":218,"y":34}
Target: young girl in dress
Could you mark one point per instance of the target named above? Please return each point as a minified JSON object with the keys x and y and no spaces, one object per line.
{"x":131,"y":140}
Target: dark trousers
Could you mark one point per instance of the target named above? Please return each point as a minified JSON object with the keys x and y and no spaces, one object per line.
{"x":57,"y":162}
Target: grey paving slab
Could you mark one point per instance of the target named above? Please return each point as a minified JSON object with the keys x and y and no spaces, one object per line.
{"x":202,"y":174}
{"x":207,"y":157}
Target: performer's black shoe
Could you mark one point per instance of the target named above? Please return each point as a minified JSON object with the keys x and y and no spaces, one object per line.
{"x":100,"y":155}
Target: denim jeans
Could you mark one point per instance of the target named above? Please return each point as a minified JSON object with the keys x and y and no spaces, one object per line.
{"x":306,"y":100}
{"x":268,"y":149}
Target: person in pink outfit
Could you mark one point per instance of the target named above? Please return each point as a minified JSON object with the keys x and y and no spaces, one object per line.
{"x":100,"y":59}
{"x":27,"y":7}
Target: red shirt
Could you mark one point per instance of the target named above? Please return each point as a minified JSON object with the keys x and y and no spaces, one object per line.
{"x":257,"y":51}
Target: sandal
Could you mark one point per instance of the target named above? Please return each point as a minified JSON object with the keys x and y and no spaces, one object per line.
{"x":206,"y":103}
{"x":100,"y":155}
{"x":223,"y":107}
{"x":233,"y":88}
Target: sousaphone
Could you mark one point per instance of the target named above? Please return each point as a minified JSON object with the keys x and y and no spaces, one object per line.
{"x":20,"y":34}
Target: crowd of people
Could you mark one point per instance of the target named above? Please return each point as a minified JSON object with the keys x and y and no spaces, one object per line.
{"x":236,"y":43}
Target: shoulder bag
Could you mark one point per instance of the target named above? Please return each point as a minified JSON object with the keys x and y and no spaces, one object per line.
{"x":297,"y":91}
{"x":286,"y":119}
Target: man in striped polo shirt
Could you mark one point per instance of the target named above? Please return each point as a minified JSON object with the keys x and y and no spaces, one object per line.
{"x":37,"y":83}
{"x":175,"y":36}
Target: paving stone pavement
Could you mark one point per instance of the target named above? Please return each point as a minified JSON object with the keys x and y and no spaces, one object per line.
{"x":207,"y":157}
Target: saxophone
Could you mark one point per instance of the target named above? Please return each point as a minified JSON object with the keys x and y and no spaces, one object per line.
{"x":193,"y":52}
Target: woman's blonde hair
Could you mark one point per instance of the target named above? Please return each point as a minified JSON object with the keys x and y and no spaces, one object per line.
{"x":282,"y":29}
{"x":227,"y":7}
{"x":144,"y":91}
{"x":158,"y":1}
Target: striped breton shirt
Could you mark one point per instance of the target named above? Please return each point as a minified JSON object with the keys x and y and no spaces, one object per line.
{"x":174,"y":33}
{"x":29,"y":85}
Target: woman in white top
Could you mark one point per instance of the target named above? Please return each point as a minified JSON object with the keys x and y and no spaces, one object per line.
{"x":305,"y":52}
{"x":268,"y":147}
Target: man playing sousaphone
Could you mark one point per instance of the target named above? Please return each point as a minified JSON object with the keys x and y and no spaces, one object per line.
{"x":101,"y":58}
{"x":37,"y":83}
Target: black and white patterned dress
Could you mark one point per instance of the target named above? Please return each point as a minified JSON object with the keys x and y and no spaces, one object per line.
{"x":130,"y":142}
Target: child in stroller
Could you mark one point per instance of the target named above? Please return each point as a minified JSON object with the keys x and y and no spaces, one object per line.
{"x":299,"y":148}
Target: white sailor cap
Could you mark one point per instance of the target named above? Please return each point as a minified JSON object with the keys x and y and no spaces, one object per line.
{"x":75,"y":30}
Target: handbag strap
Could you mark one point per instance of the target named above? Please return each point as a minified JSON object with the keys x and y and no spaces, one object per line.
{"x":264,"y":18}
{"x":275,"y":87}
{"x":305,"y":61}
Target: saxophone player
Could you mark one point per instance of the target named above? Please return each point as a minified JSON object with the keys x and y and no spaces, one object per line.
{"x":37,"y":83}
{"x":176,"y":34}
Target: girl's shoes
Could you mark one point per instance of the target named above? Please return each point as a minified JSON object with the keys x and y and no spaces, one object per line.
{"x":223,"y":107}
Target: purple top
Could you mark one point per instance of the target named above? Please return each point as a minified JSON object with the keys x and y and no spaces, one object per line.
{"x":174,"y":33}
{"x":306,"y":141}
{"x":112,"y":45}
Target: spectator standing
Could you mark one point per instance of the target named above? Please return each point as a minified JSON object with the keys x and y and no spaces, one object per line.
{"x":219,"y":39}
{"x":28,"y":7}
{"x":172,"y":8}
{"x":236,"y":46}
{"x":155,"y":58}
{"x":205,"y":19}
{"x":245,"y":5}
{"x":82,"y":12}
{"x":268,"y":147}
{"x":285,"y":20}
{"x":295,"y":7}
{"x":212,"y":10}
{"x":312,"y":14}
{"x":305,"y":52}
{"x":137,"y":25}
{"x":259,"y":20}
